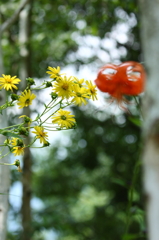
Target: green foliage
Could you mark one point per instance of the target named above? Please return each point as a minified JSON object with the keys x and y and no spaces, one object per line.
{"x":57,"y":26}
{"x":85,"y":183}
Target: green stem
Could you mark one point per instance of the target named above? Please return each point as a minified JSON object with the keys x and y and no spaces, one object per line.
{"x":52,"y":113}
{"x":38,"y":88}
{"x":138,"y":106}
{"x":57,"y":110}
{"x":4,"y":155}
{"x":30,"y":144}
{"x":7,"y":164}
{"x":46,"y":109}
{"x":13,"y":126}
{"x":131,"y":190}
{"x":49,"y":116}
{"x":49,"y":107}
{"x":37,"y":147}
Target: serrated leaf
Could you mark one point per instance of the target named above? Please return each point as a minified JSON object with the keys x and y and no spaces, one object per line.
{"x":10,"y":134}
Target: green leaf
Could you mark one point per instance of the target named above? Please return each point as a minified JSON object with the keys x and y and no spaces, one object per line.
{"x":131,"y":236}
{"x":119,"y":182}
{"x":9,"y":134}
{"x":136,"y":121}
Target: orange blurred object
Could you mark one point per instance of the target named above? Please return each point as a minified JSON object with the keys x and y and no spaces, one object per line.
{"x":127,"y":78}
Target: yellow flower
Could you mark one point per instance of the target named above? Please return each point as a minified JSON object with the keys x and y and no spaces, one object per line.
{"x":17,"y":142}
{"x":54,"y":72}
{"x":18,"y":150}
{"x":14,"y":141}
{"x":79,"y":81}
{"x":64,"y":119}
{"x":7,"y":82}
{"x":92,"y":90}
{"x":43,"y":136}
{"x":63,"y":87}
{"x":26,"y":99}
{"x":18,"y":146}
{"x":80,"y":95}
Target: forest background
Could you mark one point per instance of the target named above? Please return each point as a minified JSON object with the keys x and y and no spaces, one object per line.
{"x":79,"y":188}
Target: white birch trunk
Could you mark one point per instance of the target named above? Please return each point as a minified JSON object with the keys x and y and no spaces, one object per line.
{"x":24,"y":71}
{"x":23,"y":41}
{"x":150,"y":41}
{"x":4,"y":170}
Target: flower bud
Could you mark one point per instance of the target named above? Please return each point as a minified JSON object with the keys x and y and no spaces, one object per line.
{"x":48,"y":84}
{"x":46,"y":144}
{"x":14,"y":97}
{"x":23,"y":131}
{"x":27,"y":119}
{"x":20,"y":142}
{"x":6,"y":142}
{"x":54,"y":95}
{"x":30,"y":81}
{"x":17,"y":163}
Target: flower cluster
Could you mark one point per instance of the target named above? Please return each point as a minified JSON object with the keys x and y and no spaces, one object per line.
{"x":64,"y":92}
{"x":78,"y":90}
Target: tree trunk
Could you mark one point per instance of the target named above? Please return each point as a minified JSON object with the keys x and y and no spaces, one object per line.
{"x":4,"y":170}
{"x":150,"y":41}
{"x":25,"y":71}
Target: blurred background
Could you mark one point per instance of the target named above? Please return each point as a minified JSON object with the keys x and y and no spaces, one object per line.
{"x":79,"y":187}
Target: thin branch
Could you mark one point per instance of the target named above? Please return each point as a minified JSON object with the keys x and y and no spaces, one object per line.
{"x":14,"y":17}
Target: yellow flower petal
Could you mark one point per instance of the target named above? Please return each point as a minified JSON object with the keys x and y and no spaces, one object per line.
{"x":64,"y":119}
{"x":7,"y":82}
{"x":26,"y":99}
{"x":39,"y":131}
{"x":92,"y":89}
{"x":64,"y":87}
{"x":80,"y":95}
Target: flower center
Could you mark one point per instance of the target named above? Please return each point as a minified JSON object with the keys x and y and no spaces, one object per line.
{"x":65,"y":86}
{"x":63,"y":117}
{"x":8,"y":80}
{"x":92,"y":90}
{"x":79,"y":94}
{"x":27,"y":102}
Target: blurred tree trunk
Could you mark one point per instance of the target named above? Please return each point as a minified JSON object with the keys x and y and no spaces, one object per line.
{"x":4,"y":170}
{"x":25,"y":71}
{"x":150,"y":41}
